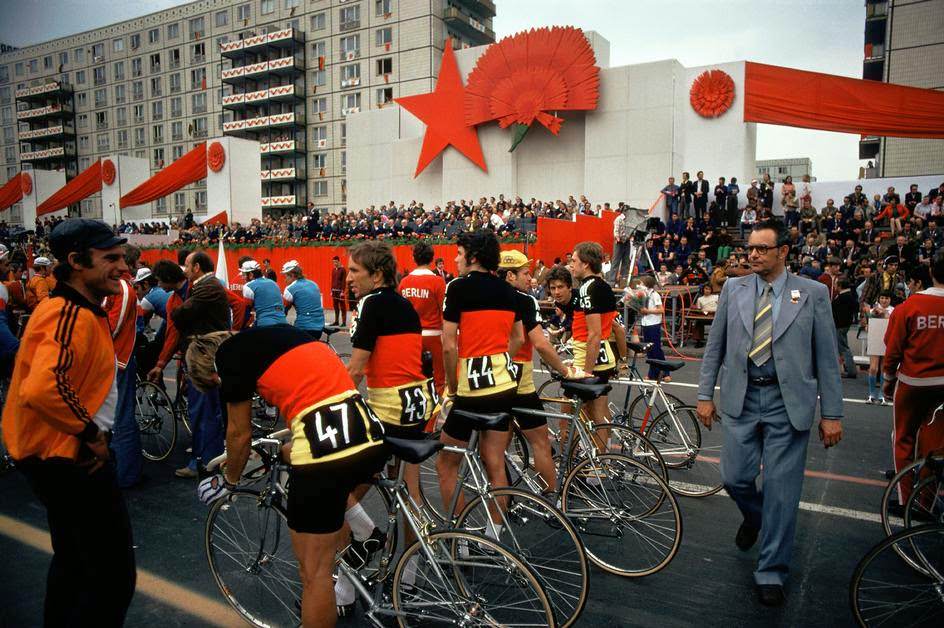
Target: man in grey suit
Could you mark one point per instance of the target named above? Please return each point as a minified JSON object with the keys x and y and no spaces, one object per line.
{"x":773,"y":343}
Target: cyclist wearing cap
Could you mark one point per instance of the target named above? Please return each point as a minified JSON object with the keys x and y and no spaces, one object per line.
{"x":481,"y":331}
{"x":425,"y":290}
{"x":337,"y":442}
{"x":305,"y":296}
{"x":594,"y":319}
{"x":152,"y":301}
{"x":264,"y":294}
{"x":41,"y":284}
{"x":517,"y":272}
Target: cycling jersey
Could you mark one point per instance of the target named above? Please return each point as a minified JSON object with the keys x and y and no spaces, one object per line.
{"x":425,"y":290}
{"x":122,"y":312}
{"x":388,"y":327}
{"x":485,"y":309}
{"x":304,"y":295}
{"x":155,"y":301}
{"x":266,"y":300}
{"x":530,"y":313}
{"x":595,"y":297}
{"x":38,"y":289}
{"x":309,"y":385}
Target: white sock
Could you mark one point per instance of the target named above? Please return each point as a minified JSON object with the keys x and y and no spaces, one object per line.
{"x":343,"y":591}
{"x":361,"y":524}
{"x":409,"y":572}
{"x":493,"y":531}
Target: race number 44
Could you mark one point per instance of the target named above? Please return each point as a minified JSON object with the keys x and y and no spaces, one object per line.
{"x":479,"y":373}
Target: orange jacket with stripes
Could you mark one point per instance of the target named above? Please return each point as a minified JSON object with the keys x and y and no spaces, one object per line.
{"x":122,"y":312}
{"x":63,"y":374}
{"x":38,"y":289}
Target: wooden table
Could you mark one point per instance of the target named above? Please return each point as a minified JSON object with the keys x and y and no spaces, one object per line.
{"x":695,"y":315}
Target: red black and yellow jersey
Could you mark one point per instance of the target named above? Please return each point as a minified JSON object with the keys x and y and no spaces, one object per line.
{"x":595,"y":297}
{"x":308,"y":383}
{"x":389,"y":328}
{"x":485,"y":308}
{"x":530,"y":313}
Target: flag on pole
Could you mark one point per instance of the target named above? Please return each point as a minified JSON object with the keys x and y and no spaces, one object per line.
{"x":658,"y":208}
{"x":221,"y":271}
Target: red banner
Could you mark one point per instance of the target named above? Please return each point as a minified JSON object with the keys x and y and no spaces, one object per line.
{"x":12,"y":191}
{"x":186,"y":170}
{"x":775,"y":95}
{"x":557,"y":237}
{"x":87,"y":183}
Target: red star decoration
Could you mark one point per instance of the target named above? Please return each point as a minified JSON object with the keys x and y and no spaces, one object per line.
{"x":443,"y":112}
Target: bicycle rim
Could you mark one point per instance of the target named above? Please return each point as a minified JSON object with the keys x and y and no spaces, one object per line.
{"x":467,"y":579}
{"x":250,"y":553}
{"x":626,"y":515}
{"x":156,"y":421}
{"x":641,"y":414}
{"x":621,"y":440}
{"x":692,"y":456}
{"x":890,"y":523}
{"x":543,"y":537}
{"x":885,"y":592}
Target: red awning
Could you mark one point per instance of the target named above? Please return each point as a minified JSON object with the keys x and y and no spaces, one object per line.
{"x":12,"y":191}
{"x":87,"y":183}
{"x":775,"y":95}
{"x":186,"y":170}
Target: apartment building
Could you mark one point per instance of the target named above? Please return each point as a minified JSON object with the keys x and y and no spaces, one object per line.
{"x":284,"y":72}
{"x":904,"y":44}
{"x":779,"y":169}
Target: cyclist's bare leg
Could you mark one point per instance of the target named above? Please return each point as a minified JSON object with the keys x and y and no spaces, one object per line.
{"x":599,"y":410}
{"x":447,"y":468}
{"x":492,"y":450}
{"x":537,"y":438}
{"x":316,"y":554}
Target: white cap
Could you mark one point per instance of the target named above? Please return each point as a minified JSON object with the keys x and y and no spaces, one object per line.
{"x":143,"y":273}
{"x":4,"y":251}
{"x":42,"y":261}
{"x":290,"y":265}
{"x":249,"y":266}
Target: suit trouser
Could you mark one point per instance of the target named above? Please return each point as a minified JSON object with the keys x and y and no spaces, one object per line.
{"x":620,"y":266}
{"x":126,"y":438}
{"x":91,"y":576}
{"x":764,"y":435}
{"x":842,"y":341}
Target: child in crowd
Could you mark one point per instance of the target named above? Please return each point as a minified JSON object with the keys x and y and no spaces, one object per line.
{"x":650,"y":321}
{"x":882,"y":309}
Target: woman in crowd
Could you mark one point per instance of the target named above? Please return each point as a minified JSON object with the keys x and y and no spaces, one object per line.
{"x":876,"y":350}
{"x":650,"y":322}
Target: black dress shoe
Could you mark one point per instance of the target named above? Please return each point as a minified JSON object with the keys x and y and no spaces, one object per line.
{"x":746,"y":536}
{"x":770,"y":594}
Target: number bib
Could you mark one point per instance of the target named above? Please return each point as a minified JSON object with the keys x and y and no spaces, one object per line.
{"x":338,"y":427}
{"x":605,"y":358}
{"x":486,"y":375}
{"x":409,"y":404}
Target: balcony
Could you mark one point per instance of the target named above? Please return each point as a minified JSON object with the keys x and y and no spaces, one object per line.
{"x":349,"y":25}
{"x":284,"y":66}
{"x":40,"y":93}
{"x":284,"y":39}
{"x":103,"y":126}
{"x":354,"y":81}
{"x":45,"y":134}
{"x":873,"y":69}
{"x":155,"y":68}
{"x":279,"y":148}
{"x":482,"y":7}
{"x":47,"y":112}
{"x":282,"y":93}
{"x":278,"y":201}
{"x":281,"y":174}
{"x":197,"y":59}
{"x":349,"y":55}
{"x":47,"y":154}
{"x":256,"y":125}
{"x":476,"y":31}
{"x":869,"y":146}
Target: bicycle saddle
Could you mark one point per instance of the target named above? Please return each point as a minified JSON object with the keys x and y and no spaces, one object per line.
{"x":667,"y":365}
{"x":484,"y":421}
{"x":639,"y":347}
{"x":333,"y":329}
{"x":586,"y":389}
{"x":413,"y":451}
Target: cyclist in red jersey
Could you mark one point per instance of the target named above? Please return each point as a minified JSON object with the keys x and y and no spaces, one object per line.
{"x":425,"y":290}
{"x":914,"y":344}
{"x":337,"y":441}
{"x":481,"y":331}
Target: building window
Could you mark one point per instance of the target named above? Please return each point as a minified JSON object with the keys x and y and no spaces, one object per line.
{"x":135,"y":41}
{"x":384,"y":96}
{"x":199,"y":103}
{"x":174,"y":58}
{"x":4,"y":74}
{"x":350,"y":47}
{"x":138,"y":114}
{"x":320,"y":105}
{"x":198,"y":78}
{"x":350,"y":17}
{"x":137,"y":90}
{"x":102,"y":142}
{"x":121,"y":116}
{"x":318,"y":49}
{"x":122,"y":139}
{"x":136,"y":66}
{"x":81,"y":100}
{"x":222,"y":18}
{"x":157,"y":110}
{"x":98,"y":52}
{"x":119,"y":94}
{"x":160,"y":205}
{"x":384,"y":66}
{"x":33,"y":66}
{"x":200,"y":127}
{"x":180,"y":199}
{"x":351,"y":75}
{"x":384,"y":36}
{"x":350,"y":102}
{"x":176,"y":107}
{"x":83,"y":142}
{"x":120,"y":71}
{"x":319,"y":160}
{"x":47,"y":63}
{"x":176,"y":131}
{"x":177,"y":152}
{"x":173,"y":31}
{"x":139,"y":136}
{"x":157,"y":133}
{"x":244,"y":12}
{"x":98,"y":75}
{"x":200,"y":199}
{"x":291,"y":4}
{"x":101,"y":120}
{"x":79,"y":56}
{"x":117,"y":45}
{"x":198,"y":53}
{"x":155,"y":63}
{"x":318,"y":22}
{"x":174,"y":82}
{"x":319,"y":133}
{"x":83,"y":120}
{"x":156,"y":87}
{"x":18,"y":69}
{"x":319,"y":188}
{"x":80,"y":77}
{"x":383,"y":7}
{"x":196,"y":27}
{"x":319,"y":78}
{"x":101,"y":98}
{"x":266,"y":6}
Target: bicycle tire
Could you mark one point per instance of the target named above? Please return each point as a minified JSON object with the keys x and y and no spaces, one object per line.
{"x":262,"y":560}
{"x":628,"y":440}
{"x":681,"y":463}
{"x":157,"y":422}
{"x":889,"y":525}
{"x":464,"y":591}
{"x":918,"y":511}
{"x":639,"y":411}
{"x":553,"y":548}
{"x":659,"y":511}
{"x":890,"y":572}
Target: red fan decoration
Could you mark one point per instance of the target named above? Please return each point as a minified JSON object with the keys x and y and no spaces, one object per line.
{"x":527,"y":76}
{"x":216,"y":156}
{"x":712,"y":93}
{"x":108,"y":172}
{"x":27,"y":184}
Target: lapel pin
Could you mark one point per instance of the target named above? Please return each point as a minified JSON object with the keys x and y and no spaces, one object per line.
{"x":794,"y":296}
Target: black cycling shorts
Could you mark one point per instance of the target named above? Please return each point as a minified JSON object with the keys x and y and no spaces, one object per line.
{"x":461,"y":428}
{"x":317,"y":495}
{"x":529,"y":421}
{"x":406,"y":432}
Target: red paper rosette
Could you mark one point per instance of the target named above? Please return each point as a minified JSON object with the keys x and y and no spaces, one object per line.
{"x":216,"y":156}
{"x":108,"y":172}
{"x":712,"y":93}
{"x":27,"y":183}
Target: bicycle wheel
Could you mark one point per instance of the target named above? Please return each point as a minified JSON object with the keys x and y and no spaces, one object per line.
{"x":926,"y":502}
{"x":540,"y":535}
{"x":692,"y":456}
{"x":250,"y":553}
{"x":640,"y":413}
{"x":518,"y":459}
{"x":626,"y":515}
{"x":430,"y":491}
{"x":620,"y":440}
{"x":892,"y":522}
{"x":884,"y":592}
{"x":154,"y":413}
{"x":464,"y":579}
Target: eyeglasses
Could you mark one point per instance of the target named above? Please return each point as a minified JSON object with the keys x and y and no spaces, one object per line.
{"x":761,"y":249}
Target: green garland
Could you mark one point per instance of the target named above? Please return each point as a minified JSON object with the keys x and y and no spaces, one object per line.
{"x":280,"y":244}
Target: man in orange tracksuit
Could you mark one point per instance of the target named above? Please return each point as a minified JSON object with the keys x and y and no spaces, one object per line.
{"x":41,"y":284}
{"x":61,"y":402}
{"x":425,"y":290}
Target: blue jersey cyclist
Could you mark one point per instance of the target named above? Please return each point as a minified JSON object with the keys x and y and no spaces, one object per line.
{"x":264,"y":294}
{"x":305,"y":296}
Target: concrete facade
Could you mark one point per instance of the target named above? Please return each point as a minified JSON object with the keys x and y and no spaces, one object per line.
{"x":643,"y":131}
{"x":779,"y":169}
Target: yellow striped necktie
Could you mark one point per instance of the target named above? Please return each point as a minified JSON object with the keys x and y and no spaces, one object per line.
{"x":763,"y":329}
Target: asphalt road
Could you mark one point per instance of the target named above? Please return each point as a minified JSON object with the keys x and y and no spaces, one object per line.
{"x":708,"y":584}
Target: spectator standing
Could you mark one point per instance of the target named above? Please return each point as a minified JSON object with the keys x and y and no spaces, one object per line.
{"x":753,"y":194}
{"x":267,"y":271}
{"x":338,"y":290}
{"x":621,"y":248}
{"x":650,"y":323}
{"x":731,"y":201}
{"x":305,"y":296}
{"x":441,"y":270}
{"x":54,"y":424}
{"x":721,"y":194}
{"x":700,"y":192}
{"x":671,"y":192}
{"x":540,"y":272}
{"x":686,"y":195}
{"x":788,"y":200}
{"x":766,"y":192}
{"x":845,"y":314}
{"x":830,"y":277}
{"x":882,"y":309}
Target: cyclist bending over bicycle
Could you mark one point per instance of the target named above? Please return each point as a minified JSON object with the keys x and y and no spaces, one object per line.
{"x":337,"y":442}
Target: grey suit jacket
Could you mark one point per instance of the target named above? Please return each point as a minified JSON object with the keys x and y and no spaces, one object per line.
{"x":804,"y":348}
